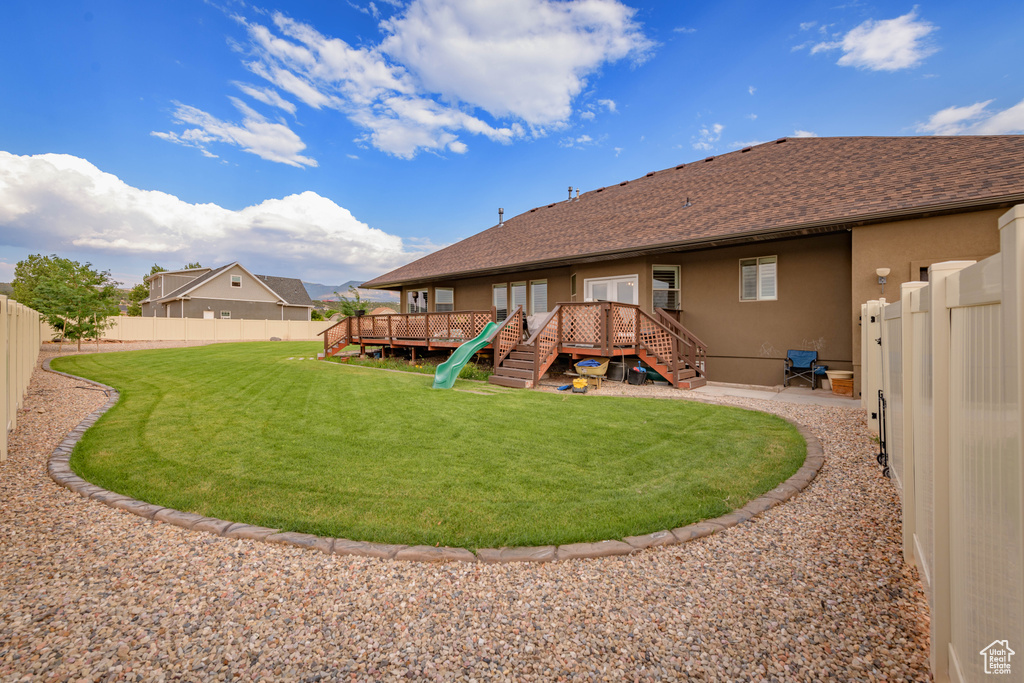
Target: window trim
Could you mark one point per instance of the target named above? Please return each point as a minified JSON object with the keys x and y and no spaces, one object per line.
{"x":588,"y":286}
{"x":678,"y":289}
{"x":438,"y":302}
{"x":758,"y":262}
{"x":426,"y":299}
{"x":533,"y":299}
{"x":225,"y":315}
{"x":494,"y":303}
{"x":236,"y":280}
{"x":512,"y":303}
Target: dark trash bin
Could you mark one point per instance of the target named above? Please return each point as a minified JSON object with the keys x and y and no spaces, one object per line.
{"x":637,"y":376}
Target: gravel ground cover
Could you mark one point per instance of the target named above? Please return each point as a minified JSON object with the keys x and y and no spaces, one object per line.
{"x":810,"y":590}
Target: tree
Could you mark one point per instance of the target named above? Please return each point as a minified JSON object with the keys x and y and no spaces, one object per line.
{"x":348,"y":306}
{"x":195,"y":264}
{"x":156,"y":269}
{"x":135,"y":298}
{"x":73,"y":297}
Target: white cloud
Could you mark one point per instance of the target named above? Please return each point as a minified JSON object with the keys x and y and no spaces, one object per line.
{"x":618,"y":151}
{"x":804,"y":134}
{"x":441,"y":65}
{"x":267,"y":96}
{"x":751,"y":89}
{"x":975,"y":119}
{"x":578,"y":142}
{"x":752,"y":117}
{"x":270,"y":141}
{"x":609,"y":105}
{"x":808,"y":25}
{"x":684,"y":29}
{"x":708,"y":136}
{"x":55,"y":202}
{"x":588,"y":115}
{"x":886,"y":45}
{"x":521,"y":58}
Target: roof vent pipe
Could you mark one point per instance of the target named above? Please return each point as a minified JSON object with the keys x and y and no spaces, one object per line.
{"x":501,"y":216}
{"x":570,"y":193}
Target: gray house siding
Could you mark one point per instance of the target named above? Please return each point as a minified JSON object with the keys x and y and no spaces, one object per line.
{"x":243,"y":310}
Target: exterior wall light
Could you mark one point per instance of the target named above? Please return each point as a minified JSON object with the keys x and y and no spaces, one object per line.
{"x":881,"y":273}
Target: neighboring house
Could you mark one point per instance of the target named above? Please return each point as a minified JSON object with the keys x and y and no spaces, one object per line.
{"x":228,"y":292}
{"x":764,"y":249}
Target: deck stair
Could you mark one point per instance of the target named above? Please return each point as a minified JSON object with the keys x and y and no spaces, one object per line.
{"x":517,"y":369}
{"x":685,"y":378}
{"x":336,"y":338}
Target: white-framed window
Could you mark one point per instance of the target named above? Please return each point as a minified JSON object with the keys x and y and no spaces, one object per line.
{"x":207,"y":315}
{"x":236,"y":280}
{"x":416,"y":301}
{"x":572,"y":287}
{"x":499,"y":299}
{"x":623,"y":289}
{"x":538,"y":297}
{"x":759,"y":279}
{"x":665,"y":287}
{"x":444,"y":299}
{"x":518,"y":296}
{"x":224,"y":315}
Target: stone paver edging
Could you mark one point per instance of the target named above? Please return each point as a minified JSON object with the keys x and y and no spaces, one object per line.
{"x":59,"y":469}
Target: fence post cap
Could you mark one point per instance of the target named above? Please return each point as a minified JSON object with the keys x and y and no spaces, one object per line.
{"x":1011,"y":215}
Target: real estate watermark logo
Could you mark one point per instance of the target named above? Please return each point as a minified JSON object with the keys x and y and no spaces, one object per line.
{"x":997,"y":657}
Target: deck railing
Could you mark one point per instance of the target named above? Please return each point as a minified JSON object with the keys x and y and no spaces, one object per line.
{"x":448,"y":325}
{"x":605,"y":326}
{"x":508,"y":335}
{"x":608,"y":326}
{"x":694,"y":351}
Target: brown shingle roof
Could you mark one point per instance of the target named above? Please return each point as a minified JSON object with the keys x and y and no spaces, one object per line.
{"x":790,"y":184}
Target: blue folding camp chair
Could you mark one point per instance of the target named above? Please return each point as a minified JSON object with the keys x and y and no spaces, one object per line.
{"x":802,"y":364}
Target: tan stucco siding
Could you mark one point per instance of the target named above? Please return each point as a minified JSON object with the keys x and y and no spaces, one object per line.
{"x":907,"y":246}
{"x":747,"y":340}
{"x":220,"y":287}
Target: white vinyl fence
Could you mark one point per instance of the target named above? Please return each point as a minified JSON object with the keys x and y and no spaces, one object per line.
{"x":125,"y":328}
{"x":950,"y":367}
{"x":20,"y":334}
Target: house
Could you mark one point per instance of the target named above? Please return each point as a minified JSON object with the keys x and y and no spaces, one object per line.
{"x":228,"y":292}
{"x":757,"y":251}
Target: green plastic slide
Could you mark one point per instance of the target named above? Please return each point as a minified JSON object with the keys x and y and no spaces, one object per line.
{"x":448,"y":371}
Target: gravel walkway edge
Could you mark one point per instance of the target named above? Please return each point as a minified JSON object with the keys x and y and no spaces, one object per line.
{"x":59,"y":470}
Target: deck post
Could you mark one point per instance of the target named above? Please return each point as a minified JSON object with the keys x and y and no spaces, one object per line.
{"x":558,"y":338}
{"x":606,"y":332}
{"x":636,"y":328}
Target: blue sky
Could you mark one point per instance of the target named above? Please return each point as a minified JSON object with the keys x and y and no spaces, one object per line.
{"x":335,"y":141}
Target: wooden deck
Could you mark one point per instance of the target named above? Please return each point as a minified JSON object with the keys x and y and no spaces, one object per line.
{"x":578,"y":330}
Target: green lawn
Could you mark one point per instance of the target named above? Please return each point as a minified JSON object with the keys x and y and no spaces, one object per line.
{"x":240,"y":432}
